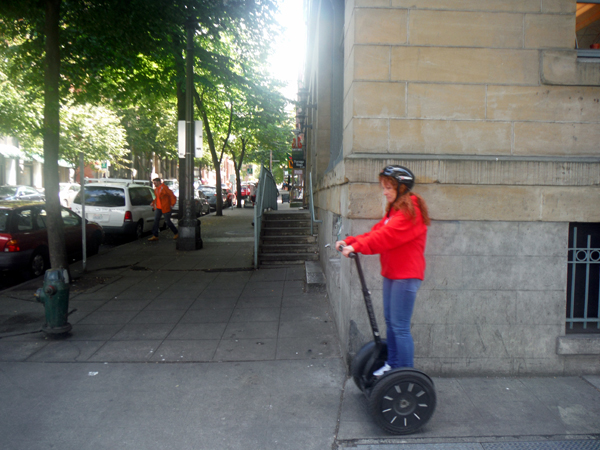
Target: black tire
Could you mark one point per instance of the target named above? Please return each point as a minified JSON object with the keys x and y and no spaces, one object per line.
{"x":139,"y":230}
{"x":402,"y":401}
{"x":95,"y":245}
{"x":362,"y":358}
{"x":39,"y":263}
{"x":92,"y":248}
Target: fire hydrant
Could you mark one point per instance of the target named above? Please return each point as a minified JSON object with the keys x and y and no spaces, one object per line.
{"x":55,"y":296}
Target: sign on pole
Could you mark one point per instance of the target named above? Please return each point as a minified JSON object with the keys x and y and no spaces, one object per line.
{"x":197,"y":138}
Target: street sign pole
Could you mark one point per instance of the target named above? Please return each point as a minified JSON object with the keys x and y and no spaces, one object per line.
{"x":189,"y":227}
{"x":82,"y":190}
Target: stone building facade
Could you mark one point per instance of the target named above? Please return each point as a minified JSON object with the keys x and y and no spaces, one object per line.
{"x":488,"y":103}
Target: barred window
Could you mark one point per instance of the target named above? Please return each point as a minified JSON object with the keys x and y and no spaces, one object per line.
{"x":583,"y":278}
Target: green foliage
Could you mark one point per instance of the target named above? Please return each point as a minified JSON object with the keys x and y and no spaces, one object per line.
{"x":242,"y":106}
{"x":19,"y":115}
{"x":94,"y":130}
{"x":127,"y":57}
{"x":151,"y":128}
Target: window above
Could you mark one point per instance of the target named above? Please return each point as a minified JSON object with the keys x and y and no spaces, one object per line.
{"x":587,"y":27}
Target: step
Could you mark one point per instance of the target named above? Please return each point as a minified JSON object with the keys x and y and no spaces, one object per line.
{"x":263,"y":257}
{"x":272,"y":223}
{"x":280,"y":263}
{"x":315,"y":278}
{"x":287,"y":231}
{"x":289,"y":248}
{"x":276,"y":215}
{"x":289,"y":239}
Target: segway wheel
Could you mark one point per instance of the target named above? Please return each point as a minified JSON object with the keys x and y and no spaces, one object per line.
{"x":402,"y":401}
{"x":357,"y":368}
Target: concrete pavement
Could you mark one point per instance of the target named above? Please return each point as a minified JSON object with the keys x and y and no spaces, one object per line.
{"x":194,"y":350}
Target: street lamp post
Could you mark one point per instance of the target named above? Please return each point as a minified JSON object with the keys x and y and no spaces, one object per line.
{"x":189,"y":228}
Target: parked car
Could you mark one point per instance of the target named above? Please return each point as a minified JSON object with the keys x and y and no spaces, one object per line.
{"x":120,"y":207}
{"x":23,"y":193}
{"x":202,"y":206}
{"x":211,"y":195}
{"x":119,"y":180}
{"x":67,"y":193}
{"x":245,"y":190}
{"x":171,"y":183}
{"x":24,"y":238}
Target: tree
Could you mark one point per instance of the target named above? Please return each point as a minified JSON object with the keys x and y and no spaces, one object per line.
{"x":217,"y":131}
{"x":19,"y":115}
{"x":234,"y":97}
{"x":260,"y":131}
{"x":94,"y":130}
{"x":51,"y":133}
{"x":151,"y":127}
{"x":93,"y":37}
{"x":110,"y":50}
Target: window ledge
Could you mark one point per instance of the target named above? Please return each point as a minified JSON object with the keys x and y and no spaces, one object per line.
{"x":563,"y":68}
{"x":578,"y":344}
{"x":588,"y":54}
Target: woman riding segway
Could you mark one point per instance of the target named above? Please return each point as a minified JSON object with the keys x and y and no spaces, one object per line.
{"x":399,"y":238}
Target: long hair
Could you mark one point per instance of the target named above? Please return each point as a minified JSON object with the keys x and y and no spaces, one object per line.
{"x":404,"y":202}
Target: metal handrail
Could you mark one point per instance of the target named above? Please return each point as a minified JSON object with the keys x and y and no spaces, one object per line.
{"x":266,"y":198}
{"x":312,"y":204}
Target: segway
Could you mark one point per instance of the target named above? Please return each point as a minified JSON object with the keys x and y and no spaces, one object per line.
{"x":402,"y":400}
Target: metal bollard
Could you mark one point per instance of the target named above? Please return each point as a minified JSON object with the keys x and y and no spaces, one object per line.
{"x":55,"y":297}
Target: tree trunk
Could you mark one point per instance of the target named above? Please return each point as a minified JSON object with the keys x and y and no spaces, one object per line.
{"x":54,"y":223}
{"x":238,"y":166}
{"x":213,"y":152}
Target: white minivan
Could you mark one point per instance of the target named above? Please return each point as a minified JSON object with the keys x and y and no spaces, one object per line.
{"x":120,"y":207}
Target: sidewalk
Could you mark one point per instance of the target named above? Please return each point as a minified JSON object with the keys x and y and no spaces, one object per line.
{"x":194,"y":350}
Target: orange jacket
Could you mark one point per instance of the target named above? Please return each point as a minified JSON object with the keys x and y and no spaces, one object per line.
{"x":165,"y":199}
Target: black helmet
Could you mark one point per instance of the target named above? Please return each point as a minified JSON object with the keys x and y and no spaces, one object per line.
{"x":401,"y":174}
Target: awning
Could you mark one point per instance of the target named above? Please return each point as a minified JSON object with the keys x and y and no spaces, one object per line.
{"x":10,"y":151}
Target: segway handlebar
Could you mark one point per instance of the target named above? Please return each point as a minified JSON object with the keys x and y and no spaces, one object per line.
{"x":367,"y":297}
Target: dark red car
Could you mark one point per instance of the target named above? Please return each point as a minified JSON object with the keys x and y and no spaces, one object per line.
{"x":24,"y":238}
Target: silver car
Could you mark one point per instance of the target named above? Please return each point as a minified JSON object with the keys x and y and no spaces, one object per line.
{"x":202,"y":206}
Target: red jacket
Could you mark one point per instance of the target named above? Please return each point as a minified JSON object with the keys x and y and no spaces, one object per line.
{"x":401,"y":243}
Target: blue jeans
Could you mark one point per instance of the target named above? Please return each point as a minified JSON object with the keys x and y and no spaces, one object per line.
{"x":398,"y":302}
{"x":157,"y":214}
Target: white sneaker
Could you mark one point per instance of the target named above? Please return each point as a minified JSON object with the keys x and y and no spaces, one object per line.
{"x":385,"y":368}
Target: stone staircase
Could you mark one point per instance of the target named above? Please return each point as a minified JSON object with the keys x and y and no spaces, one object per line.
{"x":286,"y":238}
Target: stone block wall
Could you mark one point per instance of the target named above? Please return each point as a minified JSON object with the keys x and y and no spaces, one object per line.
{"x":460,"y":77}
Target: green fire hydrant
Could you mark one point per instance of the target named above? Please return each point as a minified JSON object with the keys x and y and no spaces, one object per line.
{"x":55,"y":296}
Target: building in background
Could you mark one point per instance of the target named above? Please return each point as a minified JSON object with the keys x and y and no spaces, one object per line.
{"x":18,"y":168}
{"x":497,"y":112}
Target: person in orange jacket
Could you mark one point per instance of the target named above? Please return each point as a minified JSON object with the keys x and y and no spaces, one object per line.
{"x":162,"y":204}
